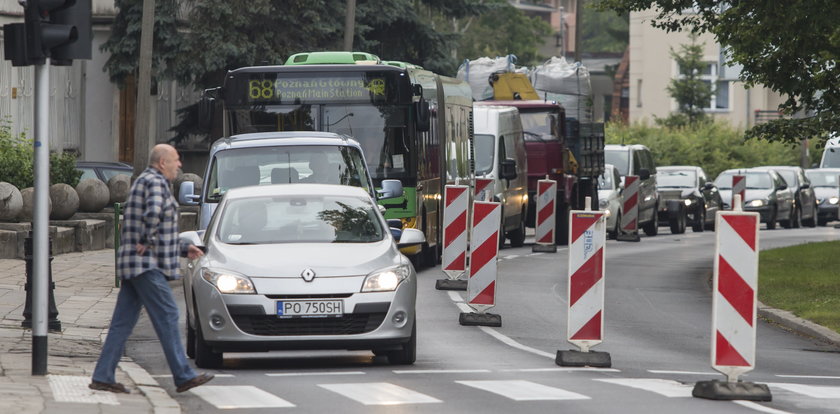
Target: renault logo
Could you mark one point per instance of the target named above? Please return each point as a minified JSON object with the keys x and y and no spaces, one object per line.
{"x":308,"y":274}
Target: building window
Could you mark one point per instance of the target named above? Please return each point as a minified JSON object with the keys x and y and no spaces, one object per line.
{"x":720,"y":84}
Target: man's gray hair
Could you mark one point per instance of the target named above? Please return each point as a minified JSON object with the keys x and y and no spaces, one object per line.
{"x":157,"y":153}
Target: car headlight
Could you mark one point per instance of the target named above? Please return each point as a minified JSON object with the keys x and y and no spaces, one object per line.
{"x":688,"y":201}
{"x":833,"y":200}
{"x":757,"y":203}
{"x":386,"y":280}
{"x":228,"y":282}
{"x":602,"y":204}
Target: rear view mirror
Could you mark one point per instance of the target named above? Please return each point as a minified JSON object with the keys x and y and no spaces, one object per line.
{"x":411,"y":237}
{"x":709,"y":185}
{"x":423,"y":115}
{"x":644,"y":174}
{"x":186,"y":194}
{"x":508,"y":169}
{"x":390,"y":189}
{"x":206,"y":109}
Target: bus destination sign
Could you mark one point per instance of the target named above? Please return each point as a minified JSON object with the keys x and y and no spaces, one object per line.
{"x":319,"y":89}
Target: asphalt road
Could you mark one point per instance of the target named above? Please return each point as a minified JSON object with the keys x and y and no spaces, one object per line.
{"x":657,"y":333}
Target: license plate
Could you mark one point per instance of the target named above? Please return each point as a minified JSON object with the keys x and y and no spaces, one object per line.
{"x":310,"y":307}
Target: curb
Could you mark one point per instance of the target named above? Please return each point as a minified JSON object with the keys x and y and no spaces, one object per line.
{"x":799,"y":325}
{"x":160,"y":400}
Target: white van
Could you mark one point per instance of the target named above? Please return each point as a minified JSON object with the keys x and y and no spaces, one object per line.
{"x":500,"y":155}
{"x":831,"y":154}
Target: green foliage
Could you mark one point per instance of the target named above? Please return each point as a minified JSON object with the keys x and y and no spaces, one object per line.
{"x":17,"y":161}
{"x":689,"y":90}
{"x":791,"y":48}
{"x":504,"y":30}
{"x":715,"y":146}
{"x":603,"y":31}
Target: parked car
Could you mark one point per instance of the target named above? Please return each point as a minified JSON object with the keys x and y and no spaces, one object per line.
{"x":499,"y":147}
{"x":305,"y":266}
{"x":767,"y":193}
{"x":609,"y":198}
{"x":691,"y":187}
{"x":638,"y":160}
{"x":804,"y":198}
{"x":103,"y":170}
{"x":826,"y":185}
{"x":831,"y":154}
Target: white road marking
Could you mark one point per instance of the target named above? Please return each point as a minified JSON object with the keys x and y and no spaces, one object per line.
{"x":215,"y":375}
{"x":519,"y":390}
{"x":661,"y":371}
{"x":808,"y":376}
{"x":813,"y":391}
{"x":504,"y":339}
{"x":569,"y":369}
{"x":312,"y":374}
{"x":513,"y":256}
{"x":231,"y":397}
{"x":455,"y":296}
{"x":667,"y":388}
{"x":70,"y":388}
{"x":379,"y":393}
{"x":759,"y":407}
{"x":441,"y":371}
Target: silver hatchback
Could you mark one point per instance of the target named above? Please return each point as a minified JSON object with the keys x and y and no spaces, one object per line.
{"x":300,"y":266}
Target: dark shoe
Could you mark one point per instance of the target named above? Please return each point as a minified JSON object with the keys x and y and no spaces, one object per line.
{"x":103,"y":386}
{"x":198,"y":380}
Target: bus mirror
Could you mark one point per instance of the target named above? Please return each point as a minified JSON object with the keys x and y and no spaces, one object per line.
{"x":421,"y":111}
{"x":417,"y":89}
{"x":205,"y":113}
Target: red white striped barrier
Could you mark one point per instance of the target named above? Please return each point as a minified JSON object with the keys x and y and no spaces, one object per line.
{"x":736,"y":289}
{"x":483,"y":189}
{"x":630,"y":210}
{"x":587,"y":237}
{"x":739,"y":187}
{"x":454,"y":257}
{"x":544,"y":236}
{"x":481,"y":286}
{"x":585,"y":324}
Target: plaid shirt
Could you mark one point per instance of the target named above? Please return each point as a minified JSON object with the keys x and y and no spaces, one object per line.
{"x":150,"y":218}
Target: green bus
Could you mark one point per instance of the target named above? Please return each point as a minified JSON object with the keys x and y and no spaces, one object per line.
{"x":413,"y":125}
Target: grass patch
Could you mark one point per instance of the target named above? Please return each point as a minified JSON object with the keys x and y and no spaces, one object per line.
{"x":803,"y":279}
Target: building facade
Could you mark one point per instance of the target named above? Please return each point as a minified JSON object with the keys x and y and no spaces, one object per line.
{"x":651,"y":68}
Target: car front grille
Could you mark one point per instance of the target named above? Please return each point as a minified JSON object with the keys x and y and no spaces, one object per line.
{"x":270,"y":325}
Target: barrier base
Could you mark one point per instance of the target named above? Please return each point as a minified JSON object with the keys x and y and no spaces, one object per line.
{"x":480,"y":319}
{"x":450,"y":284}
{"x":631,"y":237}
{"x":724,"y":390}
{"x":572,"y":358}
{"x":544,"y":248}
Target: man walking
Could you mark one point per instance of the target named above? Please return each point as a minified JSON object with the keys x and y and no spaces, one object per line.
{"x":146,"y":261}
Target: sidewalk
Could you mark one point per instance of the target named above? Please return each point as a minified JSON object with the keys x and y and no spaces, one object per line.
{"x":85,"y":296}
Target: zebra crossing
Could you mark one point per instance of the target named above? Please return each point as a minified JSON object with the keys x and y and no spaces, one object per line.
{"x":516,"y":390}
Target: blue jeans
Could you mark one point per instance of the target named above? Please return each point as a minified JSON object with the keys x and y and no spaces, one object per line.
{"x":150,"y":290}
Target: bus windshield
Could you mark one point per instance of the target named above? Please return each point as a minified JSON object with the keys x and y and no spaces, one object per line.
{"x":381,"y":130}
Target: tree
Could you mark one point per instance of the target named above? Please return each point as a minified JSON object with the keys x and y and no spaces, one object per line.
{"x":689,"y":90}
{"x":604,"y":31}
{"x":790,"y":47}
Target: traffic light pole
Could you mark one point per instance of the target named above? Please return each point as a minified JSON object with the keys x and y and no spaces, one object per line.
{"x":40,"y":220}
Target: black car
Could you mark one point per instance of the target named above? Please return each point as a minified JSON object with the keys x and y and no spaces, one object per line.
{"x":805,"y":200}
{"x":690,"y":186}
{"x":103,"y":170}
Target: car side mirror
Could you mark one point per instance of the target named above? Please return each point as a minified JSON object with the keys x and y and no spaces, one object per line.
{"x":508,"y":169}
{"x":644,"y":173}
{"x":805,"y":185}
{"x":709,"y":185}
{"x":410,"y":238}
{"x":186,"y":196}
{"x":390,"y":189}
{"x":782,"y":187}
{"x":191,"y":237}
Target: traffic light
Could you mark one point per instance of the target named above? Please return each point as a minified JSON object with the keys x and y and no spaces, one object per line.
{"x":58,"y":29}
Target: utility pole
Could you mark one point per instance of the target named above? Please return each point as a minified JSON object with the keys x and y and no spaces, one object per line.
{"x":144,"y":85}
{"x":578,"y":21}
{"x":349,"y":25}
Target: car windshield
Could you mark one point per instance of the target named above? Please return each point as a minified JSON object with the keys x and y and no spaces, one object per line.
{"x":822,"y":178}
{"x":789,"y":176}
{"x":321,"y":164}
{"x":676,"y":178}
{"x":605,"y":181}
{"x":484,"y":153}
{"x":619,"y":158}
{"x":300,"y":219}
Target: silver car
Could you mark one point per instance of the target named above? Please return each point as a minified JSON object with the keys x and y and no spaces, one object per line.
{"x":609,"y":198}
{"x":300,"y":266}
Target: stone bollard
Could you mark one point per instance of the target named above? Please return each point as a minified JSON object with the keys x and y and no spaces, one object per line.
{"x":11,"y":202}
{"x":65,"y":201}
{"x":93,"y":195}
{"x":54,"y":325}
